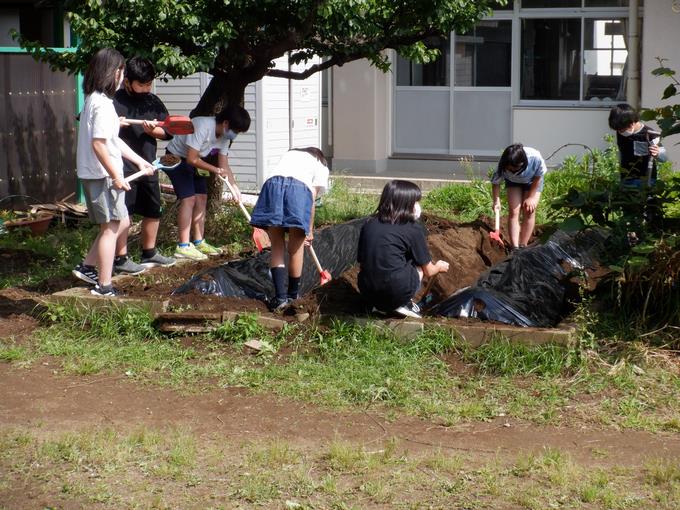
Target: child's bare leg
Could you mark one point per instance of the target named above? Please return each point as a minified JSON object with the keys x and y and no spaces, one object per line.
{"x":184,"y":216}
{"x":514,"y":206}
{"x":106,"y":247}
{"x":198,"y":218}
{"x":277,"y":236}
{"x":121,"y":243}
{"x":296,"y":252}
{"x":528,"y":222}
{"x":149,"y":232}
{"x":296,"y":240}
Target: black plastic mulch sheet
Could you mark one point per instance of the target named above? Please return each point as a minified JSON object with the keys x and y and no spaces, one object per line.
{"x":527,"y":289}
{"x":335,"y":246}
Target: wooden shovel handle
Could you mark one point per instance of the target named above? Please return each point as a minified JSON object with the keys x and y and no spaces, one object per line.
{"x":233,"y":194}
{"x":136,"y":175}
{"x":315,"y":258}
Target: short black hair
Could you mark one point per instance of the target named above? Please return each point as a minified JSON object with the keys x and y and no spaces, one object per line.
{"x":238,"y":117}
{"x":397,"y":201}
{"x":100,"y":75}
{"x":513,"y":155}
{"x":139,"y":69}
{"x":314,"y":151}
{"x":622,"y":115}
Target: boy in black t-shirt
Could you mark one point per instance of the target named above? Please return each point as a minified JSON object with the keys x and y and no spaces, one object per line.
{"x":638,"y":146}
{"x":135,"y":101}
{"x":393,"y":252}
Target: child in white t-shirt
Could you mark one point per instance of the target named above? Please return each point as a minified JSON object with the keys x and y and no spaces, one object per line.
{"x":99,"y":160}
{"x":190,"y":181}
{"x":286,"y":204}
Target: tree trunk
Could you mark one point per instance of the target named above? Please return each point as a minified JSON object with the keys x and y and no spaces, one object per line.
{"x":222,"y":90}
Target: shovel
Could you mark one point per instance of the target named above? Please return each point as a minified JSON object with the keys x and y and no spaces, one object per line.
{"x":324,"y":275}
{"x":173,"y":124}
{"x":157,"y":164}
{"x":260,"y":237}
{"x":496,"y":234}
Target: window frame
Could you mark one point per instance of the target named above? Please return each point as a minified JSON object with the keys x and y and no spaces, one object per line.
{"x":580,"y":13}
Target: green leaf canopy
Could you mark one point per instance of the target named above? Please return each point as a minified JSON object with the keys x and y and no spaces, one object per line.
{"x":237,"y":40}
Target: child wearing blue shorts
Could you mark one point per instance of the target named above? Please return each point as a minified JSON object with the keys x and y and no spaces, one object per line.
{"x":286,"y":204}
{"x":523,"y":170}
{"x":190,"y":180}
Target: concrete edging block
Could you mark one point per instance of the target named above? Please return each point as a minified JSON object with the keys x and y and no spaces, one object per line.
{"x":80,"y":296}
{"x":476,"y":335}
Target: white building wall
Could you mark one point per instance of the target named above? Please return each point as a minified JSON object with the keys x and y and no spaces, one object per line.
{"x":546,"y":129}
{"x":660,"y":38}
{"x":361,"y":123}
{"x":282,"y":99}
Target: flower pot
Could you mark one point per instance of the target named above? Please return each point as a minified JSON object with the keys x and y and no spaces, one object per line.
{"x":37,"y":224}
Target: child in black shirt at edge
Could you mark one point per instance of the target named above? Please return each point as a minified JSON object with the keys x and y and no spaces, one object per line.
{"x":393,"y":253}
{"x":637,"y":143}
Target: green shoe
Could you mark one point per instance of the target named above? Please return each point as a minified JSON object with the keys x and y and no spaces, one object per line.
{"x":207,"y":249}
{"x":188,"y":252}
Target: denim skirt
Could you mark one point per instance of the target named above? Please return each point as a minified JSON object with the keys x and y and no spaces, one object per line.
{"x":283,"y":202}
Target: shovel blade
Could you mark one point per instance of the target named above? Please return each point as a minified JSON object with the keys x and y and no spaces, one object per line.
{"x":261,"y":239}
{"x":496,"y":236}
{"x":325,"y":277}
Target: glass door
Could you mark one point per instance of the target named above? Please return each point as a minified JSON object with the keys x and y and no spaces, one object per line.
{"x":481,"y":102}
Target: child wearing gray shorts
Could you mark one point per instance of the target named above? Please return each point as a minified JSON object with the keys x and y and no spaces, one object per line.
{"x":99,"y":160}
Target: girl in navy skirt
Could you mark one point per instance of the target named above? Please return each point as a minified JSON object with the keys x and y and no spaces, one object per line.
{"x":286,"y":204}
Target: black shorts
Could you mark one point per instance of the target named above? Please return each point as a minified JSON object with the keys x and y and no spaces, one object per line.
{"x":144,"y":197}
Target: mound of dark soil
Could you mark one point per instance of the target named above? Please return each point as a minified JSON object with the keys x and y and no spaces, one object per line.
{"x":465,"y":246}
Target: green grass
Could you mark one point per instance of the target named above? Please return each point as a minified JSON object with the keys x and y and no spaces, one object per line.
{"x":175,"y":468}
{"x":340,"y":204}
{"x":61,"y":249}
{"x":345,"y":365}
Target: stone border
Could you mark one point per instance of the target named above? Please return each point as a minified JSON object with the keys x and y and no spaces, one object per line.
{"x":404,"y":329}
{"x":476,"y":334}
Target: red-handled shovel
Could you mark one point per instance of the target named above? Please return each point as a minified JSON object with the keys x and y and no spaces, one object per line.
{"x":325,"y":276}
{"x":260,"y":237}
{"x":496,"y":234}
{"x":173,"y":124}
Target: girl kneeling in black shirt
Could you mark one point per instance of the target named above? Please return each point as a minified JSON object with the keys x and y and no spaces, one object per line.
{"x":393,"y":252}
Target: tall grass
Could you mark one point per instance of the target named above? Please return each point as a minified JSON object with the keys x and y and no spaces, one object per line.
{"x":341,"y":204}
{"x":58,"y":252}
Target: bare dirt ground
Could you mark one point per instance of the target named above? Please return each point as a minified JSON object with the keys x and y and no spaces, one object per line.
{"x":42,"y":402}
{"x":49,"y":401}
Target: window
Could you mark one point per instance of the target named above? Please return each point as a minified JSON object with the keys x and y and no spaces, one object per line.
{"x":483,"y":57}
{"x":34,"y":23}
{"x":542,"y":4}
{"x":552,"y":58}
{"x":551,"y":64}
{"x":507,"y":7}
{"x":433,"y":74}
{"x":546,"y":4}
{"x":604,"y":59}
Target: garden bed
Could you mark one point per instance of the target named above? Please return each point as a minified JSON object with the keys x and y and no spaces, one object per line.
{"x":465,"y":246}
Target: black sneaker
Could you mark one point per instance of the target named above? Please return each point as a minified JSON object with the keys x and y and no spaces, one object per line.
{"x":86,"y":273}
{"x":105,"y":291}
{"x":128,"y":267}
{"x":279,"y":304}
{"x":410,"y":309}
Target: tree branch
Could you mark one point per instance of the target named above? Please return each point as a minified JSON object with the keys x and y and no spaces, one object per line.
{"x":337,"y":60}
